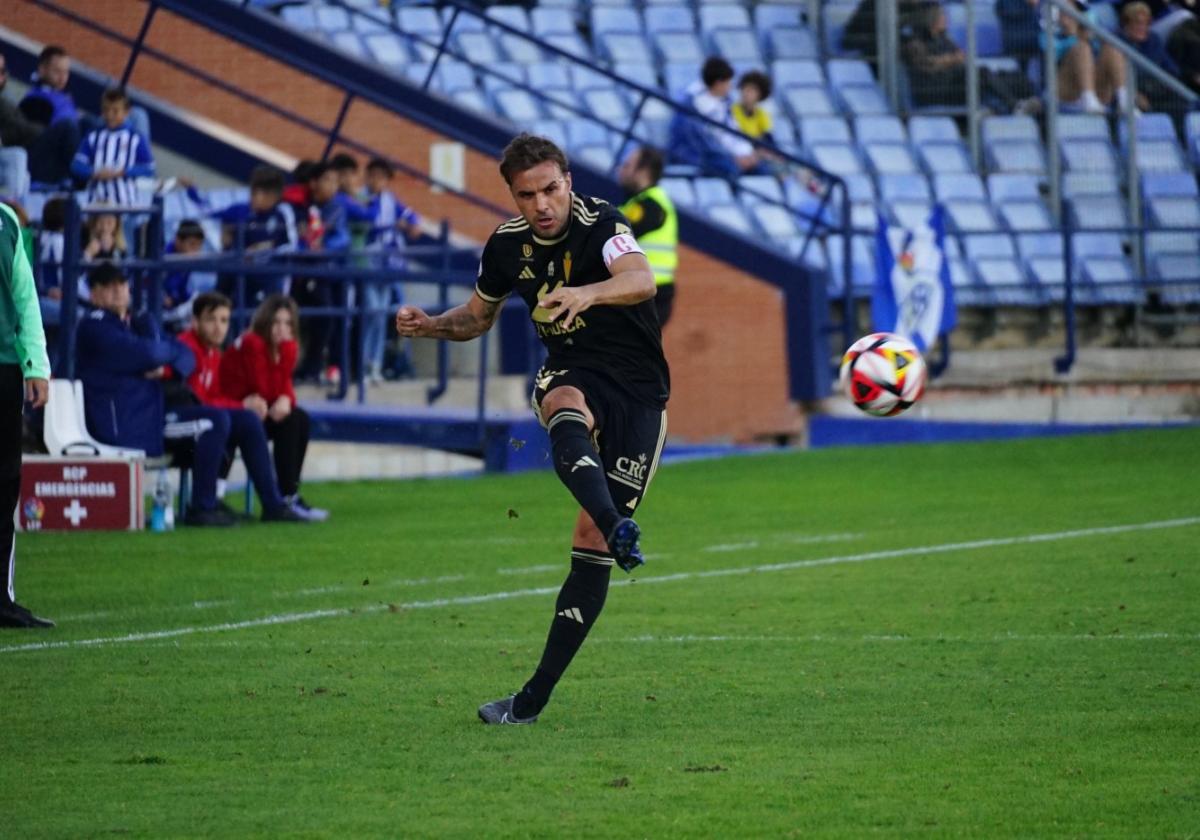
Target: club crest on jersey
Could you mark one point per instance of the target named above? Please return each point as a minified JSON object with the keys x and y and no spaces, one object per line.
{"x":550,"y":270}
{"x":527,"y":250}
{"x":567,"y":266}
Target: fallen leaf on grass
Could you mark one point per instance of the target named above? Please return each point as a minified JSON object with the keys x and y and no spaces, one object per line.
{"x":512,"y":514}
{"x":623,"y":781}
{"x":700,"y":768}
{"x":143,"y":759}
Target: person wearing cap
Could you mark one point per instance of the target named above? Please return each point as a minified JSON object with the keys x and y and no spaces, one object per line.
{"x":24,"y":377}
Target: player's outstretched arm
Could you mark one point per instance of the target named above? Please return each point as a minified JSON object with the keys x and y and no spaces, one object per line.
{"x":462,"y":323}
{"x":631,"y":283}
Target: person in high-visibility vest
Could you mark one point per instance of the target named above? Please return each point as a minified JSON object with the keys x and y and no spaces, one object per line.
{"x":24,"y":377}
{"x":655,"y":224}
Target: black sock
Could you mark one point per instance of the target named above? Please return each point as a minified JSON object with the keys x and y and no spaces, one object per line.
{"x":578,"y":606}
{"x":578,"y":466}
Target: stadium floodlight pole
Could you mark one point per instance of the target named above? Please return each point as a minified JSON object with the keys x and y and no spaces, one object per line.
{"x":1053,"y":162}
{"x":973,"y":86}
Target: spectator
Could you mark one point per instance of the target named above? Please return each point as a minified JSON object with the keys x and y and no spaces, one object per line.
{"x":112,"y":157}
{"x":1020,"y":29}
{"x":1178,"y":26}
{"x":345,"y":167}
{"x":48,"y":100}
{"x":1089,"y":79}
{"x":752,"y":119}
{"x":389,"y":218}
{"x":177,"y":285}
{"x":260,"y":363}
{"x":266,"y":223}
{"x":701,"y":144}
{"x":1135,"y":30}
{"x":104,"y":238}
{"x":50,"y":244}
{"x":938,"y":71}
{"x":296,"y":193}
{"x":50,"y":148}
{"x":327,"y":232}
{"x":860,"y":31}
{"x":651,"y":215}
{"x":243,"y":418}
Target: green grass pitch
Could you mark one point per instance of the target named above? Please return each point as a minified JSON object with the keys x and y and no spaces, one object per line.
{"x":845,"y":642}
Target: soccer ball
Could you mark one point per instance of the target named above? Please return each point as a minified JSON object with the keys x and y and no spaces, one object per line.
{"x":883,"y":374}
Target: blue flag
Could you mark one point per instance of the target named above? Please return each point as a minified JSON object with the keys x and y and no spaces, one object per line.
{"x":913,"y":296}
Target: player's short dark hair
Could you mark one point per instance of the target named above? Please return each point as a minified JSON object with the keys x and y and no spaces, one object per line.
{"x":208,"y":301}
{"x":382,"y":164}
{"x":715,"y":69}
{"x":317,"y":170}
{"x":54,"y":214}
{"x":342,"y":162}
{"x":49,"y":53}
{"x":114,"y":95}
{"x":105,"y":274}
{"x":267,"y":178}
{"x":650,"y":159}
{"x":301,"y":170}
{"x":526,"y":151}
{"x":758,"y":79}
{"x":264,"y":315}
{"x":189,"y":229}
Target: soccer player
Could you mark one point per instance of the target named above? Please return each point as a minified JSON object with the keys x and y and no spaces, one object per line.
{"x":602,"y":391}
{"x":24,"y":377}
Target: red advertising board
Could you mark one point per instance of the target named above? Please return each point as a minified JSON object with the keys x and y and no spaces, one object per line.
{"x":80,"y":494}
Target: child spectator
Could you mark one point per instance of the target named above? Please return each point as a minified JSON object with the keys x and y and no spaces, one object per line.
{"x":260,"y":364}
{"x":266,"y":223}
{"x":327,"y":232}
{"x":701,"y":144}
{"x":391,"y":223}
{"x":105,"y":238}
{"x":349,"y":190}
{"x":112,"y":157}
{"x":210,"y":325}
{"x":177,"y":285}
{"x":754,"y":88}
{"x":48,"y":100}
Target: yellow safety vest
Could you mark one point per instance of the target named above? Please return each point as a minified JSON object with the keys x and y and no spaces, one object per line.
{"x":662,"y":244}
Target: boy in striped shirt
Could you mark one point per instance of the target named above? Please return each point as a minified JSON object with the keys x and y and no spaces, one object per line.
{"x":112,"y":157}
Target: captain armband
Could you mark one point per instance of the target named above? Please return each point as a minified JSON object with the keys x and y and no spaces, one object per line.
{"x":619,"y":246}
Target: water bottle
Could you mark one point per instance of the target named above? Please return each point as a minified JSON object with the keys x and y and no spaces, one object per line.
{"x":162,"y":514}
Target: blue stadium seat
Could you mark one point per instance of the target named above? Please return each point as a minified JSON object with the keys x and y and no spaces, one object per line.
{"x":788,"y":42}
{"x":797,"y":72}
{"x":861,"y":187}
{"x":452,"y":75}
{"x":1081,"y":154}
{"x":1158,"y":243}
{"x":351,"y":43}
{"x":472,"y":100}
{"x":416,"y":71}
{"x":1181,"y":273}
{"x":598,"y":157}
{"x":548,"y":21}
{"x":680,"y":48}
{"x":1075,"y":184}
{"x":889,"y":158}
{"x":755,"y":189}
{"x":970,"y":216}
{"x":834,"y":17}
{"x":769,"y":16}
{"x":1088,"y":245}
{"x":849,"y":72}
{"x":1097,"y":212}
{"x":583,"y":132}
{"x":1049,"y":273}
{"x":1174,"y":212}
{"x":680,"y":190}
{"x":1112,"y":281}
{"x":1015,"y":156}
{"x":1083,"y":127}
{"x":1006,"y":186}
{"x":905,"y":187}
{"x":1005,"y":282}
{"x":862,"y":264}
{"x":675,"y":17}
{"x":1167,"y":183}
{"x":624,"y":47}
{"x":555,"y":130}
{"x":944,"y":158}
{"x":862,"y":99}
{"x":419,"y":20}
{"x":909,"y":214}
{"x":879,"y":129}
{"x":463,"y":22}
{"x":723,"y":16}
{"x":549,"y":74}
{"x":968,"y":186}
{"x":303,"y":18}
{"x":928,"y":129}
{"x":733,"y":217}
{"x":331,"y":18}
{"x":480,"y":47}
{"x":514,"y":16}
{"x":1013,"y":127}
{"x":388,"y":50}
{"x":988,"y":245}
{"x":711,"y":191}
{"x":606,"y":19}
{"x":1192,"y":133}
{"x":776,"y":221}
{"x":815,"y":130}
{"x":810,"y":100}
{"x":1020,"y":215}
{"x":837,"y":158}
{"x":584,"y":78}
{"x":1153,"y":126}
{"x":372,"y":21}
{"x":1160,"y":156}
{"x":1033,"y":245}
{"x":607,"y":106}
{"x":508,"y":71}
{"x":738,"y":46}
{"x":518,"y":106}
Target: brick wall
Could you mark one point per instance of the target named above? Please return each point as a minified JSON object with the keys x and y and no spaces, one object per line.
{"x":725,"y":343}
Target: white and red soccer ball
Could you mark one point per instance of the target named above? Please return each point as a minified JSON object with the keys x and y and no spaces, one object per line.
{"x":883,"y":374}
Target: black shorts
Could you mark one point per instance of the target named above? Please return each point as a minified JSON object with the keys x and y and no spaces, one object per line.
{"x":628,"y":435}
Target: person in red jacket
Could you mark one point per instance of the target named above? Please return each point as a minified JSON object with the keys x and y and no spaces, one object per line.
{"x":210,"y":325}
{"x":260,"y":364}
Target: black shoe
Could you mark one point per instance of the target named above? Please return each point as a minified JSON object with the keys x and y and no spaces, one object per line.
{"x":287,"y":513}
{"x":14,"y":615}
{"x":623,"y":543}
{"x":501,"y":712}
{"x":218,"y":517}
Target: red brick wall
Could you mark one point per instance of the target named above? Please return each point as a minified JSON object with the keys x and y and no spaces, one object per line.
{"x":726,"y":340}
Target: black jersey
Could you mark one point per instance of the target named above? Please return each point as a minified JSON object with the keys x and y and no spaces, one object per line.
{"x":623,"y":343}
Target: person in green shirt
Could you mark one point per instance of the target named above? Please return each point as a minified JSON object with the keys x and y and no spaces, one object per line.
{"x":24,"y":377}
{"x":652,"y":217}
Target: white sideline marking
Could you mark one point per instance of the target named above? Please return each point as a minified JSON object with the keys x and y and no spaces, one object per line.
{"x":324,"y":590}
{"x":530,"y":570}
{"x":291,"y":618}
{"x":794,"y":539}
